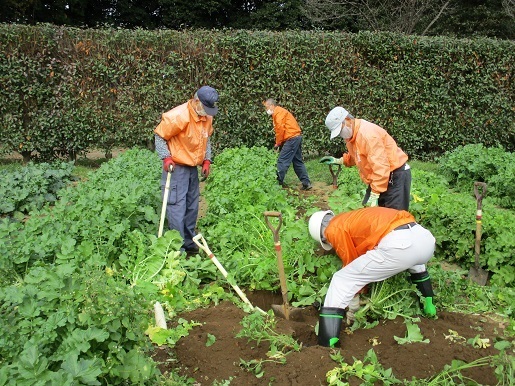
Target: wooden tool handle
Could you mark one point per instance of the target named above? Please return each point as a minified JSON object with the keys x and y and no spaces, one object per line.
{"x":275,"y":231}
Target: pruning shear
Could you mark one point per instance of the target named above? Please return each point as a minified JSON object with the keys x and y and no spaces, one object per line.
{"x":335,"y":175}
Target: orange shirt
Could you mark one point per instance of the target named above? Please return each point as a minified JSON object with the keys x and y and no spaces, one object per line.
{"x":186,"y":134}
{"x":354,"y":233}
{"x":375,"y":154}
{"x":285,"y":125}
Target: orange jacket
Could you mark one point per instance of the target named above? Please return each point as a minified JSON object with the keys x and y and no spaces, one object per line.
{"x":375,"y":154}
{"x":285,"y":125}
{"x":186,"y":134}
{"x":354,"y":233}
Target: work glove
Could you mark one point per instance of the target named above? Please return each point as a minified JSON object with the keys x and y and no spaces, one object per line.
{"x":353,"y":308}
{"x":206,"y":168}
{"x":429,"y":307}
{"x":372,"y":200}
{"x":328,"y":160}
{"x":168,"y":164}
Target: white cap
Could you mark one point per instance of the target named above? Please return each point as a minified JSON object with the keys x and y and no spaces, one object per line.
{"x":334,"y":120}
{"x":315,"y":225}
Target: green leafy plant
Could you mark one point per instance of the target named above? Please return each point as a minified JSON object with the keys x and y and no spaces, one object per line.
{"x":452,"y":374}
{"x":413,"y":334}
{"x":211,"y":339}
{"x":238,"y":193}
{"x":476,"y":162}
{"x":87,"y":321}
{"x":369,"y":370}
{"x":504,"y":362}
{"x":254,"y":366}
{"x":260,"y":328}
{"x":388,"y":299}
{"x":32,"y":186}
{"x":79,"y":281}
{"x":170,"y":336}
{"x":479,"y":342}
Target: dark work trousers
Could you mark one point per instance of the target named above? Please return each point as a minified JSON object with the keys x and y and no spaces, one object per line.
{"x":183,"y":202}
{"x":292,"y":152}
{"x":397,"y":196}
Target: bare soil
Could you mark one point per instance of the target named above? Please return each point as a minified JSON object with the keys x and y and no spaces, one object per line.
{"x":221,"y":361}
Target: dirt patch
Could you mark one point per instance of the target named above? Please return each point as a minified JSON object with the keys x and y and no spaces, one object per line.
{"x":308,"y":367}
{"x":321,"y":191}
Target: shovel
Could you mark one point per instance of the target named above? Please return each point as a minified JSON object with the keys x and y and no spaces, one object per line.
{"x":335,"y":175}
{"x":282,"y":310}
{"x":476,"y":273}
{"x":201,"y":242}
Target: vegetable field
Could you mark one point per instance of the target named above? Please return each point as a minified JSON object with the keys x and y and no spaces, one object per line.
{"x":80,"y":274}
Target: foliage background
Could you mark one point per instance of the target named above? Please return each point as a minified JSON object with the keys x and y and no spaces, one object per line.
{"x":66,"y":90}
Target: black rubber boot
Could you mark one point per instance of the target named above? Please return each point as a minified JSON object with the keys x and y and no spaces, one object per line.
{"x":423,"y":282}
{"x":329,"y":326}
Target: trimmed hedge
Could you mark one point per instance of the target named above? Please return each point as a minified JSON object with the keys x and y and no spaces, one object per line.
{"x":66,"y":90}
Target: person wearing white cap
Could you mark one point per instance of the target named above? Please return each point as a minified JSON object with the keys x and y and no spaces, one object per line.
{"x":183,"y":143}
{"x":373,"y":244}
{"x":380,"y":162}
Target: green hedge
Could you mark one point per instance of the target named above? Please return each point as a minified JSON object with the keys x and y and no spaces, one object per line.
{"x":66,"y":90}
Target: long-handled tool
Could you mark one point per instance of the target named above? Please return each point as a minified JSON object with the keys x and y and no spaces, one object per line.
{"x":335,"y":174}
{"x":201,"y":242}
{"x":476,"y":273}
{"x":165,"y":202}
{"x":158,"y":309}
{"x":283,"y":310}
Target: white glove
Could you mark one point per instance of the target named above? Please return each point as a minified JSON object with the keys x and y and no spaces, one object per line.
{"x":372,"y":200}
{"x":353,"y":308}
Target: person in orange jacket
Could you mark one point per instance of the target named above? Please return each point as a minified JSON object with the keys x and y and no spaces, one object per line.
{"x":182,"y":141}
{"x":288,"y":138}
{"x":374,"y":243}
{"x":380,"y":162}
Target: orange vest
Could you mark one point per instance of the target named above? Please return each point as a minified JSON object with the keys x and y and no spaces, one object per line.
{"x":186,"y":134}
{"x":285,"y":125}
{"x":375,"y":154}
{"x":354,"y":233}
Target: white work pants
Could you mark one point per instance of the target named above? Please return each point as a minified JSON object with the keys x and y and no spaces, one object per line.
{"x":400,"y":250}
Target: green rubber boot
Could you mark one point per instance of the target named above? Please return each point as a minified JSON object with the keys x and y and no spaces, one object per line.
{"x":329,"y":326}
{"x":429,"y":308}
{"x":423,"y":283}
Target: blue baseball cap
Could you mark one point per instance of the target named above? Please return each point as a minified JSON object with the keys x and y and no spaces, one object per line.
{"x":208,"y":96}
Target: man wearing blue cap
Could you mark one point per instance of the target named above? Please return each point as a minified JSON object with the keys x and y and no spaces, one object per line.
{"x":183,"y":143}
